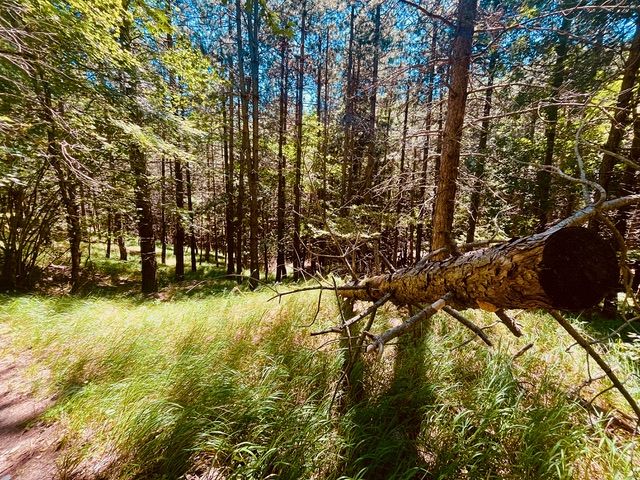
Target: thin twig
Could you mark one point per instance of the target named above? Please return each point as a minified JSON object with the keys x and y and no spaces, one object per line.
{"x":468,"y":323}
{"x":431,"y":310}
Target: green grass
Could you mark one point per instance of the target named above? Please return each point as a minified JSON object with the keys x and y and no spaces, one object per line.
{"x":224,"y":381}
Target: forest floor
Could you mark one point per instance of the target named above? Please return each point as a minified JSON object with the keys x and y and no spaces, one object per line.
{"x":28,"y":446}
{"x":209,"y":380}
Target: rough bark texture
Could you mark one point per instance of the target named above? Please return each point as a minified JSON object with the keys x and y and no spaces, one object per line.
{"x":281,"y":270}
{"x":621,"y":117}
{"x":145,"y":219}
{"x":178,"y":244}
{"x":543,"y":180}
{"x":253,"y":29}
{"x":450,"y":161}
{"x":298,"y":254}
{"x":565,"y":268}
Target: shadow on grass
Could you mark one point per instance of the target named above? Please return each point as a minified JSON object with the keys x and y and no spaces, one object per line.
{"x":383,"y":432}
{"x":109,"y":278}
{"x":607,"y":328}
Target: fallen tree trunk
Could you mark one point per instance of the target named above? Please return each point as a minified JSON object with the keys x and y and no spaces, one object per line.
{"x":568,"y":268}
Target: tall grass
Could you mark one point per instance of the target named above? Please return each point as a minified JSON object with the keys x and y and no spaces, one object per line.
{"x":229,"y":385}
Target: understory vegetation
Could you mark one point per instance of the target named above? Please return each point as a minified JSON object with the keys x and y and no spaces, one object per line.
{"x":208,"y":380}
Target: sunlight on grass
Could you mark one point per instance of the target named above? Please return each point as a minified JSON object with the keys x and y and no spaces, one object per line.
{"x":231,"y":384}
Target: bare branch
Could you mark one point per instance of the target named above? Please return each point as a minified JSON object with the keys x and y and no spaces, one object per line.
{"x":430,"y":311}
{"x":584,"y":343}
{"x":468,"y":323}
{"x":508,"y":322}
{"x":431,"y":15}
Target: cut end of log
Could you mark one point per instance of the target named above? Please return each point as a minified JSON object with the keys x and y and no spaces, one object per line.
{"x":578,"y":268}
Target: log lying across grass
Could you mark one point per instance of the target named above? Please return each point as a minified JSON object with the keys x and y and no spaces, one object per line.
{"x":569,"y":268}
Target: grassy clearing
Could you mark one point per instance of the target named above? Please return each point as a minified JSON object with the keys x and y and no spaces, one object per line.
{"x":224,"y":382}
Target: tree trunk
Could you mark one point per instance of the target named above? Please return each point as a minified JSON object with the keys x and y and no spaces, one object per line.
{"x":621,"y":116}
{"x":231,"y":223}
{"x":372,"y":160}
{"x":192,"y":230}
{"x":347,"y":160}
{"x":427,"y":144}
{"x":478,"y":166}
{"x":163,"y":211}
{"x":254,"y":28}
{"x":401,"y":183}
{"x":178,"y":245}
{"x":298,"y":254}
{"x":450,"y":161}
{"x":281,"y":270}
{"x":244,"y":149}
{"x":568,"y":268}
{"x":543,"y":180}
{"x":145,"y":218}
{"x":66,"y":186}
{"x":117,"y":225}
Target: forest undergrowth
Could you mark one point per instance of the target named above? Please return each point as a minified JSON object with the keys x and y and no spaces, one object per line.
{"x":208,"y":380}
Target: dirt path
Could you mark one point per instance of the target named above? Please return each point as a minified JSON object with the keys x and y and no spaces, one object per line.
{"x":27,"y":445}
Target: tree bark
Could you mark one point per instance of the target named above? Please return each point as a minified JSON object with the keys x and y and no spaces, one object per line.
{"x":163,"y":211}
{"x":543,"y":180}
{"x":145,"y":218}
{"x":298,"y":254}
{"x":372,"y":159}
{"x":244,"y":149}
{"x":621,"y":116}
{"x":427,"y":143}
{"x":569,"y":268}
{"x":478,"y":167}
{"x":254,"y":28}
{"x":178,"y":245}
{"x":281,"y":270}
{"x":450,"y":161}
{"x":192,"y":231}
{"x":347,"y":160}
{"x":231,"y":222}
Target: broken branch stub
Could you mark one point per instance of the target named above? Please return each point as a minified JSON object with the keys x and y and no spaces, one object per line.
{"x":570,"y":268}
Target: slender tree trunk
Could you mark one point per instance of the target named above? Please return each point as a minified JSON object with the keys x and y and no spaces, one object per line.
{"x":145,"y":218}
{"x":281,"y":270}
{"x":543,"y":180}
{"x":109,"y":231}
{"x":401,"y":183}
{"x":450,"y":161}
{"x":244,"y":150}
{"x":178,"y":245}
{"x":192,"y":230}
{"x":372,"y":159}
{"x":231,"y":223}
{"x":621,"y":117}
{"x":66,"y":187}
{"x":254,"y":261}
{"x":347,"y":160}
{"x":117,"y":225}
{"x":478,"y":167}
{"x":163,"y":211}
{"x":427,"y":144}
{"x":298,"y":254}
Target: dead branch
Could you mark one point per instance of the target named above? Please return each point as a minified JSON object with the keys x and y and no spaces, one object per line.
{"x":586,"y":345}
{"x":508,"y":322}
{"x":431,"y":310}
{"x":468,"y":323}
{"x":522,"y":351}
{"x":369,"y":311}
